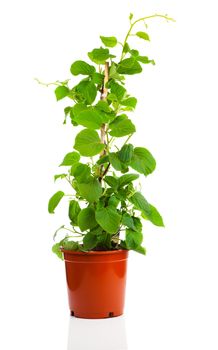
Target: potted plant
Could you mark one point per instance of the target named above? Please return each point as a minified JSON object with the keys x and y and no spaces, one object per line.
{"x":106,"y":207}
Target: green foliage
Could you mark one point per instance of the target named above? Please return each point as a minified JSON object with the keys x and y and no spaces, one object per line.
{"x":90,"y":190}
{"x":86,"y":219}
{"x":143,"y":161}
{"x":107,"y":204}
{"x":109,"y":41}
{"x":143,"y":35}
{"x":54,"y":201}
{"x":109,"y":219}
{"x":61,"y":92}
{"x":88,"y":143}
{"x":70,"y":159}
{"x":74,"y":210}
{"x":81,"y":67}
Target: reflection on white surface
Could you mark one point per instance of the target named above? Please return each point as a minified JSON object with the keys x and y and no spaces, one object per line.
{"x":104,"y":334}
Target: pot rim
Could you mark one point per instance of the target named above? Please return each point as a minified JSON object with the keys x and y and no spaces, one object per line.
{"x":93,"y":252}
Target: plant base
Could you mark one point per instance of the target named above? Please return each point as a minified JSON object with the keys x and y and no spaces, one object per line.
{"x":96,"y":283}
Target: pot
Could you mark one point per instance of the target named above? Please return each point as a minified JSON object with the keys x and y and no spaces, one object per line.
{"x":96,"y":282}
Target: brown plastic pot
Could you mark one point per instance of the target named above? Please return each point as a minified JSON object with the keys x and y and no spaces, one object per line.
{"x":96,"y":282}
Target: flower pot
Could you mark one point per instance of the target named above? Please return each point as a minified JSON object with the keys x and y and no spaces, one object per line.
{"x":96,"y":282}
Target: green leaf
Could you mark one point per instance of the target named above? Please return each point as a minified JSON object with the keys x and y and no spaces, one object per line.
{"x":126,"y":48}
{"x":88,"y":90}
{"x":111,"y":181}
{"x":81,"y":172}
{"x":56,"y":250}
{"x":61,"y":92}
{"x":73,"y":212}
{"x":127,"y":220}
{"x":103,"y":160}
{"x":113,"y":201}
{"x":121,"y":126}
{"x":117,"y":90}
{"x":109,"y":41}
{"x":99,"y":56}
{"x":109,"y":219}
{"x":86,"y":219}
{"x":145,"y":60}
{"x":89,"y":241}
{"x":137,"y":224}
{"x":70,"y":245}
{"x":133,"y":239}
{"x":140,"y":203}
{"x":126,"y":179}
{"x":90,"y":118}
{"x":81,"y":67}
{"x":126,"y":153}
{"x":143,"y":35}
{"x":143,"y":161}
{"x":154,"y":216}
{"x":131,"y":16}
{"x":54,"y":201}
{"x":113,"y":73}
{"x":70,"y":159}
{"x":97,"y":78}
{"x":134,"y":53}
{"x":88,"y":143}
{"x":129,"y":66}
{"x":115,"y":161}
{"x":140,"y":250}
{"x":129,"y":102}
{"x":90,"y":190}
{"x":59,"y":176}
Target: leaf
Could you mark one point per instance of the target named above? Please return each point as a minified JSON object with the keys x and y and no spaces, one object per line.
{"x":126,"y":48}
{"x":115,"y":161}
{"x":88,"y":91}
{"x":140,"y":250}
{"x":103,"y":160}
{"x":109,"y":41}
{"x":81,"y":67}
{"x":154,"y":216}
{"x":73,"y":212}
{"x":140,"y":203}
{"x":90,"y":190}
{"x":56,"y":250}
{"x":129,"y":102}
{"x":61,"y":92}
{"x":99,"y":56}
{"x":89,"y":241}
{"x":54,"y":201}
{"x":70,"y":159}
{"x":86,"y":219}
{"x":111,"y":181}
{"x":90,"y":118}
{"x":117,"y":90}
{"x":109,"y":219}
{"x":59,"y":176}
{"x":126,"y":179}
{"x":127,"y":220}
{"x":133,"y":239}
{"x":131,"y":16}
{"x":121,"y":126}
{"x":113,"y":201}
{"x":145,"y":60}
{"x":126,"y":153}
{"x":88,"y":143}
{"x":129,"y":66}
{"x":97,"y":78}
{"x":81,"y":172}
{"x":70,"y":245}
{"x":143,"y":35}
{"x":113,"y":73}
{"x":143,"y":161}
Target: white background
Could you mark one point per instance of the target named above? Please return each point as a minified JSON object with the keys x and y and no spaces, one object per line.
{"x":172,"y":292}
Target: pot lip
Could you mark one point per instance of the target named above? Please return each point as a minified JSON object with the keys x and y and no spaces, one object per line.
{"x":97,"y":252}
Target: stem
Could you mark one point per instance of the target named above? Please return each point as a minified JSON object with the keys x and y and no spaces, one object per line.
{"x":104,"y":94}
{"x":138,"y":20}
